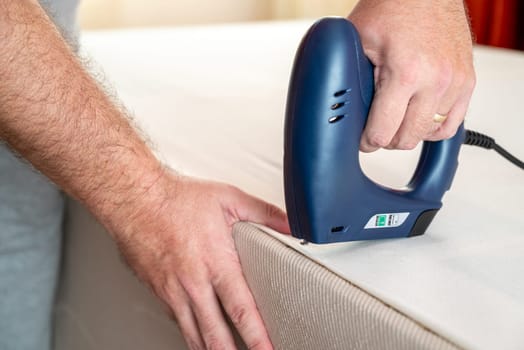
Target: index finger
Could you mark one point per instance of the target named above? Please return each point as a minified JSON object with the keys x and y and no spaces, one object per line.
{"x":386,"y":114}
{"x":239,"y":304}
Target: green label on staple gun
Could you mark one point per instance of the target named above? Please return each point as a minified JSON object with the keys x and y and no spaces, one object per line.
{"x":386,"y":220}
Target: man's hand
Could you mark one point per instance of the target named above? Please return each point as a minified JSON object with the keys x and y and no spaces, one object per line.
{"x":175,"y":232}
{"x":182,"y":247}
{"x":422,"y":52}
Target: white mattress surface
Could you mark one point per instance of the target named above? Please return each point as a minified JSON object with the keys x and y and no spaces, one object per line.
{"x":212,"y":101}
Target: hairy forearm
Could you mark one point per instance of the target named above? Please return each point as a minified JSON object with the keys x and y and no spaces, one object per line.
{"x":56,"y":116}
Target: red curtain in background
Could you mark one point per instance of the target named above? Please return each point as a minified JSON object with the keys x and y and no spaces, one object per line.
{"x":498,"y":22}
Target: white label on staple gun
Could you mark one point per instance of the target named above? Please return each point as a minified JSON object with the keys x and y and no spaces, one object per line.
{"x":386,"y":220}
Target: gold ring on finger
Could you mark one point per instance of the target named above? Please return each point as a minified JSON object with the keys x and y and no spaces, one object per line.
{"x":439,"y":118}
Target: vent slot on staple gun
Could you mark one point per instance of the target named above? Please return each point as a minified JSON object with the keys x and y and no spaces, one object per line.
{"x":341,"y":92}
{"x":337,"y":229}
{"x":336,"y":118}
{"x":338,"y":105}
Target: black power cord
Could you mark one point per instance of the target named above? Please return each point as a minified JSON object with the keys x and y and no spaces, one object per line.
{"x":475,"y":138}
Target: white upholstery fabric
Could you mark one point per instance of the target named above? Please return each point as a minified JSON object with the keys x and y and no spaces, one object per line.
{"x":212,"y":100}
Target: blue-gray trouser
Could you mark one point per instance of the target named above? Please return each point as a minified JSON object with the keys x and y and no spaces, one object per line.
{"x":31,"y":211}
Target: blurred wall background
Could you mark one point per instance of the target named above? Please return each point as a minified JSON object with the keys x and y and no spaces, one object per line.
{"x":98,"y":14}
{"x":498,"y":22}
{"x":494,"y":22}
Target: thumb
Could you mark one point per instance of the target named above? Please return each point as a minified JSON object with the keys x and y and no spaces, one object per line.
{"x":255,"y":210}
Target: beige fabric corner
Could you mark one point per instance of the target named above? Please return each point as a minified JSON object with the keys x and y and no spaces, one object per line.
{"x":305,"y":306}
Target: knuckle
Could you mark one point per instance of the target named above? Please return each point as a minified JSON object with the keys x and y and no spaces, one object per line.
{"x":365,"y":147}
{"x":209,"y":322}
{"x":171,"y":295}
{"x":272,"y":210}
{"x":445,"y":75}
{"x":410,"y":138}
{"x":194,"y":292}
{"x":376,"y":139}
{"x":213,"y":342}
{"x":408,"y":73}
{"x":239,"y":316}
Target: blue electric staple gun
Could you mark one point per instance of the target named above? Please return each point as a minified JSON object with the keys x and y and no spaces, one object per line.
{"x":328,"y":197}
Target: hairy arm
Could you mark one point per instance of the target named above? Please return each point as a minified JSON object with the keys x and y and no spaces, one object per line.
{"x":55,"y":115}
{"x":174,"y":231}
